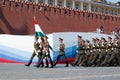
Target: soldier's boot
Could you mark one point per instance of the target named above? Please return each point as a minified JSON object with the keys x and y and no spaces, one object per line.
{"x":38,"y":64}
{"x":74,"y":63}
{"x":55,"y":63}
{"x":28,"y":64}
{"x":47,"y":64}
{"x":67,"y":64}
{"x":42,"y":64}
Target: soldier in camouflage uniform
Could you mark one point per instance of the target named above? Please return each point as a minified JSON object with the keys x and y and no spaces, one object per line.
{"x":82,"y":61}
{"x":115,"y":57}
{"x":46,"y":52}
{"x":36,"y":52}
{"x":62,"y":52}
{"x":93,"y":52}
{"x":87,"y":50}
{"x":79,"y":51}
{"x":109,"y":52}
{"x":103,"y":52}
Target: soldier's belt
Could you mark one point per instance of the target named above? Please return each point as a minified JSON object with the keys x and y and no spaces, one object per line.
{"x":94,"y":50}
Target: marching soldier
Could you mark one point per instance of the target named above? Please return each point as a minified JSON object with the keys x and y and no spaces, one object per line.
{"x":82,"y":61}
{"x":115,"y":57}
{"x":46,"y":52}
{"x":62,"y":52}
{"x":109,"y":51}
{"x":87,"y":50}
{"x":79,"y":51}
{"x":36,"y":52}
{"x":93,"y":52}
{"x":103,"y":52}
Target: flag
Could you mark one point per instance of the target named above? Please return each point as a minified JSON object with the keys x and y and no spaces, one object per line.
{"x":38,"y":31}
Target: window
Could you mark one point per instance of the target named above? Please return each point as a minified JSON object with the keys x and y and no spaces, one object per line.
{"x":96,"y":10}
{"x":116,"y":13}
{"x":77,"y":6}
{"x":102,"y":11}
{"x":59,"y":3}
{"x":31,"y":0}
{"x":92,"y":8}
{"x":68,"y":5}
{"x":41,"y":1}
{"x":106,"y":11}
{"x":50,"y":2}
{"x":112,"y":12}
{"x":85,"y":7}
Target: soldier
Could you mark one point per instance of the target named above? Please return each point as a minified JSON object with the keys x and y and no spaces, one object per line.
{"x":115,"y":57}
{"x":46,"y":52}
{"x":82,"y":61}
{"x":41,"y":53}
{"x":103,"y":51}
{"x":93,"y":52}
{"x":87,"y":50}
{"x":78,"y":51}
{"x":36,"y":52}
{"x":109,"y":51}
{"x":61,"y":53}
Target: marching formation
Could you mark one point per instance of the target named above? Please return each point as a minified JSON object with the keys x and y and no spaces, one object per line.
{"x":100,"y":52}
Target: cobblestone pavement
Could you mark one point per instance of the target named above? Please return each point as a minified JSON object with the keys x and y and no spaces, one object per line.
{"x":21,"y":72}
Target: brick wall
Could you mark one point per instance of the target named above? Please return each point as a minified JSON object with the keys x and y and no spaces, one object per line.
{"x":17,"y":18}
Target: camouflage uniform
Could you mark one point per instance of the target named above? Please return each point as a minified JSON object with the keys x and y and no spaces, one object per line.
{"x":62,"y":52}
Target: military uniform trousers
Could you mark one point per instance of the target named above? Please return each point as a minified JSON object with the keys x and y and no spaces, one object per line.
{"x":79,"y":58}
{"x":43,"y":57}
{"x":107,"y":57}
{"x":101,"y":56}
{"x":33,"y":55}
{"x":61,"y":54}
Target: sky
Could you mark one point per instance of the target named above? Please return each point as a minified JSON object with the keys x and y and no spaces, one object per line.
{"x":114,"y":1}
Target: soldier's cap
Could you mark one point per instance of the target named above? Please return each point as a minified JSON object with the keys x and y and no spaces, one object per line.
{"x":97,"y":39}
{"x":116,"y":37}
{"x":61,"y":39}
{"x":109,"y":37}
{"x":46,"y":36}
{"x":79,"y":36}
{"x":87,"y":41}
{"x":83,"y":40}
{"x":103,"y":38}
{"x":93,"y":39}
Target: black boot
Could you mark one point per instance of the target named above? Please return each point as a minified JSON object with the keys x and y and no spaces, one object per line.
{"x":74,"y":63}
{"x":67,"y":65}
{"x":28,"y":64}
{"x":55,"y":63}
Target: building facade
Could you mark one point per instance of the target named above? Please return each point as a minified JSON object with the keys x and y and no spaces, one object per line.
{"x":101,"y":6}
